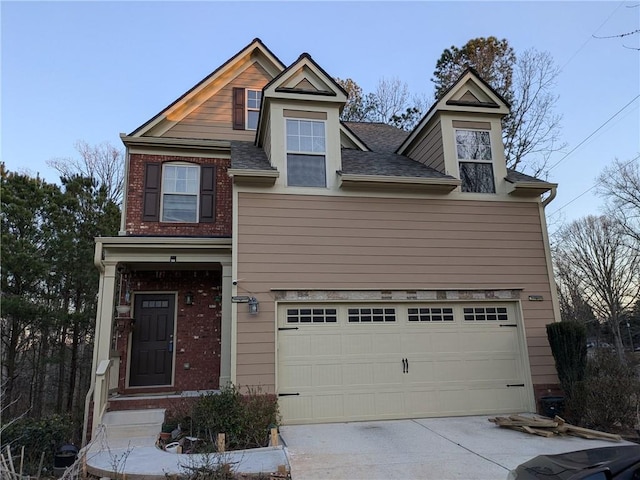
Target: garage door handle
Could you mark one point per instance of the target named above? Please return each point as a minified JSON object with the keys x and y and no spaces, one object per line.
{"x":407,"y":362}
{"x":287,"y":328}
{"x":515,"y":384}
{"x":507,"y":325}
{"x":405,"y":365}
{"x":288,"y":394}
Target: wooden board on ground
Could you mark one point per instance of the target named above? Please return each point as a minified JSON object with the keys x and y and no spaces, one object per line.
{"x":547,"y":427}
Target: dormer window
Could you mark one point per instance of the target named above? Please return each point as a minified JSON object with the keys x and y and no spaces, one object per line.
{"x":306,"y":150}
{"x":473,"y":149}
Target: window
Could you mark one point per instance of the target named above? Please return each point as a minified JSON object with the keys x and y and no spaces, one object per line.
{"x":311,"y":315}
{"x":254,"y":97}
{"x":481,"y":314}
{"x":474,"y":156}
{"x":368,"y":315}
{"x":180,"y":188}
{"x":179,"y":192}
{"x":435,"y":314}
{"x":306,"y":153}
{"x":246,"y":108}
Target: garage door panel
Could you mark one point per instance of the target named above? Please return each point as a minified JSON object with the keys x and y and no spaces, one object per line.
{"x":365,"y":370}
{"x":361,"y":373}
{"x":327,"y":375}
{"x":389,"y":343}
{"x":357,"y":344}
{"x":492,"y":340}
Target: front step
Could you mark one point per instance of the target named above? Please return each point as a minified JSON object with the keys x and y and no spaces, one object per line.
{"x":131,"y":427}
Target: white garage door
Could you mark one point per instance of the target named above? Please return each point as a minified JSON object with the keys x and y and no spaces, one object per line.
{"x":341,"y":362}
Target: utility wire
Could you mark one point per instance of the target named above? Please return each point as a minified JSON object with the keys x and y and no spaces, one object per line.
{"x":592,"y":36}
{"x":591,"y":188}
{"x":593,"y":133}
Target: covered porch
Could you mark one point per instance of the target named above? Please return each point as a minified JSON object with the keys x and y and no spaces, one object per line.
{"x":163,"y":323}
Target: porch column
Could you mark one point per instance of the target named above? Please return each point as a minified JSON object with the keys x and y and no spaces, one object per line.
{"x":225,"y":334}
{"x":102,"y":345}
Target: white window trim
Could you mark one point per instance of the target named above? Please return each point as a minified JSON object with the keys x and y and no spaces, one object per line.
{"x":475,"y":160}
{"x":163,"y":192}
{"x":303,"y":152}
{"x":248,"y":109}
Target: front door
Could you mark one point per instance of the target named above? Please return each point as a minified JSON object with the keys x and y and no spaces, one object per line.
{"x":152,"y":340}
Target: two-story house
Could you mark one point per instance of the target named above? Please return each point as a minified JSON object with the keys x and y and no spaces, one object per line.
{"x":357,"y":271}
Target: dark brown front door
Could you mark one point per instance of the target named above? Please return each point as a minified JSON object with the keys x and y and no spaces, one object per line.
{"x":152,"y":340}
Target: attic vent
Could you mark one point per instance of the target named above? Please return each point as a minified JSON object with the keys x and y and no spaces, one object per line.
{"x":305,"y":84}
{"x":469,"y":97}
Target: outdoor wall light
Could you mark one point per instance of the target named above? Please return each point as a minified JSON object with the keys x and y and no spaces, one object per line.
{"x":253,"y":306}
{"x":188,"y":298}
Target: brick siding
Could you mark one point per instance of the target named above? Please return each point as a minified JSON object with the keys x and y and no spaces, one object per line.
{"x":197,"y":339}
{"x":135,"y":195}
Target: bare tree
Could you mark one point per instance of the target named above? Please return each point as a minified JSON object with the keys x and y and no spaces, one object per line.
{"x":620,"y":185}
{"x":532,"y":129}
{"x":605,"y":267}
{"x":390,"y":103}
{"x":102,"y":162}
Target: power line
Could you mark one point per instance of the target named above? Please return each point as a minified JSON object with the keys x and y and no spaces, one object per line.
{"x":592,"y":36}
{"x":593,"y":133}
{"x":591,"y":188}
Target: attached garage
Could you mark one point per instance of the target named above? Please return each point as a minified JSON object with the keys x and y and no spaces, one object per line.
{"x":357,"y":361}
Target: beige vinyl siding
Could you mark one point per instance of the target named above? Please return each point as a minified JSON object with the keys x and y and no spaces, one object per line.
{"x":213,"y":119}
{"x":428,"y":148}
{"x":321,"y":242}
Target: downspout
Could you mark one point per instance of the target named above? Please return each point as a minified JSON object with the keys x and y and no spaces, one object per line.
{"x":549,"y":199}
{"x":123,"y":214}
{"x":97,"y":261}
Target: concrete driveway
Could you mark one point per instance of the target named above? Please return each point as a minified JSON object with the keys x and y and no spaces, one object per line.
{"x":470,"y":448}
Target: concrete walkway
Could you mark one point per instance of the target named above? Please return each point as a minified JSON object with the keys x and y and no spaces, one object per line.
{"x":137,"y":458}
{"x":433,"y":448}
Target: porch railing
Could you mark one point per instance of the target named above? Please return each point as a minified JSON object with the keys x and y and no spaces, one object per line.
{"x":101,"y":392}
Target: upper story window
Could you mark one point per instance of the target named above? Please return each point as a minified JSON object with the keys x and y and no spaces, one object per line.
{"x":473,"y":149}
{"x":306,"y":149}
{"x":246,"y":108}
{"x":180,"y":189}
{"x":254,"y":98}
{"x":179,"y":192}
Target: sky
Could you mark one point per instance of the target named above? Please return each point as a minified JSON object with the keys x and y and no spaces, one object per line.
{"x":89,"y":71}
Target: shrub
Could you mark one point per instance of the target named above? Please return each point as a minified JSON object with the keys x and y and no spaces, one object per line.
{"x":568,"y":341}
{"x":46,"y":435}
{"x":244,"y":418}
{"x":608,"y":398}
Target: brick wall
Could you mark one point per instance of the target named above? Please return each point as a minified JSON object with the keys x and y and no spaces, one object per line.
{"x":197,"y":339}
{"x":134,"y":224}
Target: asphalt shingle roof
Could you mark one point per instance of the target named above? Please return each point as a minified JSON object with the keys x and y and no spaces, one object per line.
{"x":514,"y":177}
{"x":379,"y":137}
{"x":356,"y":162}
{"x":245,"y":155}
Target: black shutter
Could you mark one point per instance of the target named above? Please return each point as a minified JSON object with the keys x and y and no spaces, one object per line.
{"x":151,"y":200}
{"x":238,"y":108}
{"x":208,"y":194}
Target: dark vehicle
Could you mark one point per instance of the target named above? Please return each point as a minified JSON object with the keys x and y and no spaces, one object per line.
{"x":607,"y":463}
